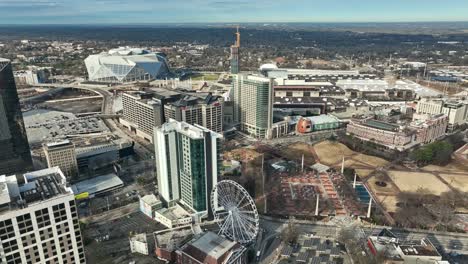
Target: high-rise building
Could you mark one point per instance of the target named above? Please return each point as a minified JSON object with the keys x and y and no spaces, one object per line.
{"x":253,"y":104}
{"x":62,"y":154}
{"x":206,"y":111}
{"x":142,"y":111}
{"x":39,"y":219}
{"x":187,"y":162}
{"x":235,"y":65}
{"x":15,"y":155}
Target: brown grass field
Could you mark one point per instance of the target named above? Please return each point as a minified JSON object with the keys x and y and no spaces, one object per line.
{"x":295,"y":151}
{"x":457,"y":181}
{"x":332,"y":152}
{"x":389,"y":202}
{"x":413,"y":181}
{"x":364,"y":172}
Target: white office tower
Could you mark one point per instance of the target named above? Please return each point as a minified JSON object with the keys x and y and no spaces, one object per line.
{"x":187,"y":162}
{"x":39,"y":219}
{"x":253,"y":104}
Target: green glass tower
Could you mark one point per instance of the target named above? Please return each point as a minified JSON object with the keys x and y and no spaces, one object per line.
{"x":188,"y":162}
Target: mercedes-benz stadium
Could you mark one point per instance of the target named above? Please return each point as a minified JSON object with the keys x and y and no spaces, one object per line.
{"x":126,"y":64}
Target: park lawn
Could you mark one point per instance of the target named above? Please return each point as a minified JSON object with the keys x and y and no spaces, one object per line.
{"x":331,"y":153}
{"x":457,"y":181}
{"x":371,"y":160}
{"x":413,"y":181}
{"x":389,"y":202}
{"x":295,"y":151}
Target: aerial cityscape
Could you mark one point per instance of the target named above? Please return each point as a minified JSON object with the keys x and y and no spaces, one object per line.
{"x":231,"y":138}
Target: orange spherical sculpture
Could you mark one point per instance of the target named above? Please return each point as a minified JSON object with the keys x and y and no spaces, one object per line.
{"x":304,"y":125}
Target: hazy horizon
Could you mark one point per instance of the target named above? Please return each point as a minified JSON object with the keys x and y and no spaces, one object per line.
{"x":61,"y":12}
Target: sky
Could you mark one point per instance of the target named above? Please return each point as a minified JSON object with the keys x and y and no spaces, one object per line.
{"x":240,"y":11}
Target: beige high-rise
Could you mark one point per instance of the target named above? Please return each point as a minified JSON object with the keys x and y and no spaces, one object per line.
{"x":253,"y":104}
{"x":62,"y":154}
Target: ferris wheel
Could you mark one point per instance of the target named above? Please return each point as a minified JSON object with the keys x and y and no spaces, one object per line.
{"x":235,"y":211}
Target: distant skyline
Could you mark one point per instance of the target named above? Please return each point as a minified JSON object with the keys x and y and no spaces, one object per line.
{"x":226,"y":11}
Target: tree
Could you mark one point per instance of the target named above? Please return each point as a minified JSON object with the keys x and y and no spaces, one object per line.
{"x":442,"y":153}
{"x":438,"y":153}
{"x":141,"y":181}
{"x":290,"y":233}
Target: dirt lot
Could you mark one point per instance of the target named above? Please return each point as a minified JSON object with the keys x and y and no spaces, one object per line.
{"x":457,"y":181}
{"x":412,"y":181}
{"x":242,"y":154}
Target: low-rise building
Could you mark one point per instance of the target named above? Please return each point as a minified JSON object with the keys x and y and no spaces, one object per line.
{"x":32,"y":76}
{"x":390,"y":135}
{"x":140,"y":243}
{"x":169,"y":240}
{"x":149,"y":204}
{"x":98,"y":186}
{"x":97,"y":159}
{"x":386,"y":244}
{"x":317,"y":123}
{"x":210,"y":248}
{"x":396,"y":134}
{"x":173,"y":216}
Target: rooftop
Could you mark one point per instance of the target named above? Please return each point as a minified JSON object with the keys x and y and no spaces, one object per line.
{"x":174,"y":213}
{"x":98,"y":184}
{"x":323,"y":119}
{"x":48,"y":125}
{"x":192,"y":131}
{"x":381,"y":125}
{"x":58,"y":144}
{"x":387,"y":243}
{"x":150,"y":199}
{"x":171,"y":239}
{"x":33,"y":187}
{"x":209,"y":244}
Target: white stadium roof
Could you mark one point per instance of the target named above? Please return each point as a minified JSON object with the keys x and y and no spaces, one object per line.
{"x":126,"y":64}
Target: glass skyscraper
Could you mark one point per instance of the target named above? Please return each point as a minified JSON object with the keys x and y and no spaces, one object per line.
{"x":187,"y":162}
{"x":15,"y":155}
